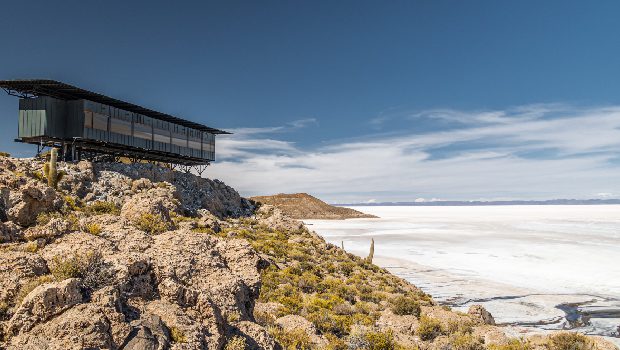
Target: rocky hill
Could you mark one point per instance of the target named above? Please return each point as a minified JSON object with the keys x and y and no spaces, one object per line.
{"x":141,"y":257}
{"x":304,"y":206}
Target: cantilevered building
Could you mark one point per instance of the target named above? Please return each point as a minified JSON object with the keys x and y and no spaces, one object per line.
{"x":85,"y":124}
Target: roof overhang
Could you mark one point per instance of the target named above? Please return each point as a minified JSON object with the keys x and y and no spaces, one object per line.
{"x":59,"y":90}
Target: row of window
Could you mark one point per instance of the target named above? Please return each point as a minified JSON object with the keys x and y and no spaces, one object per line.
{"x":183,"y":137}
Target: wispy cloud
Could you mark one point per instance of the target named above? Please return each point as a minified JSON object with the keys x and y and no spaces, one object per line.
{"x":539,"y":151}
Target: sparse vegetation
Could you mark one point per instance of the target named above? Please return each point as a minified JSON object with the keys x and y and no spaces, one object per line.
{"x":291,"y":340}
{"x":31,"y":247}
{"x":102,"y":207}
{"x":369,"y":339}
{"x":151,"y":223}
{"x":429,"y":328}
{"x":93,"y":228}
{"x":88,"y":266}
{"x":25,"y":289}
{"x":465,"y":341}
{"x":514,"y":344}
{"x":236,"y":343}
{"x":403,"y":305}
{"x":569,"y":341}
{"x":177,"y":335}
{"x":4,"y":154}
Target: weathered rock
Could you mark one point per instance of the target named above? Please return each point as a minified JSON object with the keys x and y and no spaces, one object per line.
{"x":54,"y":228}
{"x":84,"y":326}
{"x":141,"y":184}
{"x":29,"y":201}
{"x":44,"y":302}
{"x":208,"y":220}
{"x":479,"y":313}
{"x":10,"y":232}
{"x":189,"y":264}
{"x":159,"y":201}
{"x":275,"y":219}
{"x":402,"y":326}
{"x":147,"y":333}
{"x":256,"y":337}
{"x":16,"y":268}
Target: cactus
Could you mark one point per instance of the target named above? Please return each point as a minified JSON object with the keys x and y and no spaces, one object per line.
{"x":342,"y":245}
{"x":50,"y":170}
{"x":372,"y":251}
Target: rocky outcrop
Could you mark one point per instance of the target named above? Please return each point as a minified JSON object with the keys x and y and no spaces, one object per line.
{"x":27,"y":202}
{"x":44,"y":302}
{"x":304,"y":206}
{"x":481,"y":314}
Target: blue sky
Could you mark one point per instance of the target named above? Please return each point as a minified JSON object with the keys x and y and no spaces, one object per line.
{"x":354,"y":100}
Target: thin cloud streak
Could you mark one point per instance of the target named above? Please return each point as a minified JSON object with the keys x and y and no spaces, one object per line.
{"x":530,"y":152}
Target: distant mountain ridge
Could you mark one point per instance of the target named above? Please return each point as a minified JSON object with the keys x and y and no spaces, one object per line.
{"x":491,"y":203}
{"x":305,"y":206}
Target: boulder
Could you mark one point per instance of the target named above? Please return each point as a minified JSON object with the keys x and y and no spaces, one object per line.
{"x":479,"y":313}
{"x":256,"y":337}
{"x":10,"y":232}
{"x":147,"y":333}
{"x":54,"y":228}
{"x":43,"y":302}
{"x":16,"y":269}
{"x":26,"y":203}
{"x":84,"y":326}
{"x":159,"y":201}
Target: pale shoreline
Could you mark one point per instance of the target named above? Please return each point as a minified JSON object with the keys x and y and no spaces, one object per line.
{"x":456,"y":243}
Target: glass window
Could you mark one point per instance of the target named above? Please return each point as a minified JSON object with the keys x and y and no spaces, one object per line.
{"x":142,"y":131}
{"x":194,"y":144}
{"x":120,"y":127}
{"x":100,"y":122}
{"x":161,"y":135}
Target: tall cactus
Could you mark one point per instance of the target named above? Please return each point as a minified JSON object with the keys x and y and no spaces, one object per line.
{"x":372,"y":251}
{"x":50,"y":169}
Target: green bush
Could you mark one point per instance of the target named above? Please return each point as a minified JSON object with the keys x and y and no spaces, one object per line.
{"x":151,"y":223}
{"x":88,"y":266}
{"x":429,"y":328}
{"x":295,"y":339}
{"x":513,"y":344}
{"x":235,"y":343}
{"x":102,"y":207}
{"x":93,"y":228}
{"x":177,"y":335}
{"x":465,"y":341}
{"x":403,"y":305}
{"x":569,"y":341}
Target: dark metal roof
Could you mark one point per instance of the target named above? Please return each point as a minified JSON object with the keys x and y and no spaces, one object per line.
{"x":63,"y":91}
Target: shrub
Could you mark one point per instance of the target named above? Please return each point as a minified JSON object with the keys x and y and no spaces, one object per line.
{"x":463,"y":341}
{"x":71,"y":203}
{"x":102,"y":207}
{"x":295,"y":339}
{"x":403,"y":305}
{"x":236,"y":343}
{"x":513,"y":344}
{"x":177,"y":335}
{"x":88,"y":266}
{"x":25,"y":289}
{"x":93,"y":228}
{"x":569,"y":341}
{"x":31,"y":247}
{"x":369,"y":339}
{"x":4,"y":154}
{"x":151,"y":223}
{"x":334,"y":343}
{"x":429,"y":328}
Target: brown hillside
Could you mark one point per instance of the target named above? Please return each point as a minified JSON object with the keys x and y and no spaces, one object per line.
{"x":305,"y":206}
